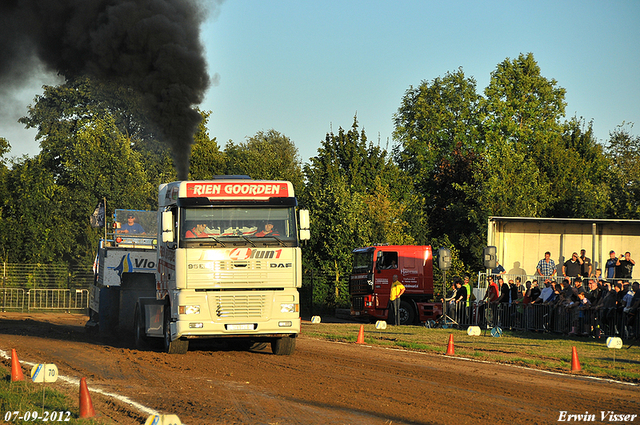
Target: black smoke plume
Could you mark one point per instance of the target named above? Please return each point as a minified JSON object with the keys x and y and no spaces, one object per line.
{"x":151,"y":46}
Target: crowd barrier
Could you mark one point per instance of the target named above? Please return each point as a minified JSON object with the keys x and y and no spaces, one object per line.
{"x":592,"y":322}
{"x":483,"y":280}
{"x":68,"y":300}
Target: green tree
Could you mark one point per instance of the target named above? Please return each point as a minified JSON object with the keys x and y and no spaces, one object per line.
{"x":354,"y":195}
{"x":268,"y":155}
{"x":624,"y":151}
{"x":206,"y":158}
{"x":522,"y":106}
{"x":439,"y":144}
{"x":48,"y":214}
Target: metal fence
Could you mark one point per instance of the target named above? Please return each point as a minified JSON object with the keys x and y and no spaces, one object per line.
{"x":560,"y":319}
{"x":44,"y":287}
{"x":68,"y":300}
{"x":35,"y":276}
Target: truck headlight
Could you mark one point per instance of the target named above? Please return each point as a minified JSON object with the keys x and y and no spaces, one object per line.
{"x":289,"y":308}
{"x":189,"y":309}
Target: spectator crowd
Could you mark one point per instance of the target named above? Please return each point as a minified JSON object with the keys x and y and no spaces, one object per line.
{"x":582,"y":301}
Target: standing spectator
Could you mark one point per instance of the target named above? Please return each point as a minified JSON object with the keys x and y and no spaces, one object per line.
{"x":624,"y":266}
{"x":513,"y":292}
{"x":546,"y":266}
{"x":598,"y":274}
{"x":593,"y":292}
{"x":610,"y":265}
{"x":545,"y":294}
{"x":572,"y":267}
{"x":498,"y":270}
{"x":451,"y":301}
{"x":467,"y":286}
{"x":631,"y":310}
{"x":397,"y":289}
{"x":461,"y":300}
{"x":535,"y":291}
{"x":504,"y":291}
{"x":586,"y":263}
{"x":492,"y":293}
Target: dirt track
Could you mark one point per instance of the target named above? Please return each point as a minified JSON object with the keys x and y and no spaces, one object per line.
{"x":323,"y":383}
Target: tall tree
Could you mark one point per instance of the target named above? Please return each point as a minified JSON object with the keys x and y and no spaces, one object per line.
{"x":98,"y":162}
{"x":522,"y":106}
{"x":624,"y":151}
{"x":353,"y":195}
{"x":267,"y":155}
{"x":439,"y":144}
{"x":206,"y":158}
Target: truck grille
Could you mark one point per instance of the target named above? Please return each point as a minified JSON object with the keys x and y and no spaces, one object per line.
{"x":357,"y":303}
{"x":359,"y":287}
{"x":238,"y":306}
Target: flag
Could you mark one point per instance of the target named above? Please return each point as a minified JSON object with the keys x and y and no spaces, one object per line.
{"x":97,"y":218}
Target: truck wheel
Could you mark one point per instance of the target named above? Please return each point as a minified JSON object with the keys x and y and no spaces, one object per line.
{"x":283,"y":346}
{"x":178,"y":346}
{"x":406,"y":313}
{"x":141,"y":340}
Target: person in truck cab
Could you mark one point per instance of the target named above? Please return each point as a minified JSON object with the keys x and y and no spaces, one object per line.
{"x":269,"y":230}
{"x":196,"y":231}
{"x":131,"y":227}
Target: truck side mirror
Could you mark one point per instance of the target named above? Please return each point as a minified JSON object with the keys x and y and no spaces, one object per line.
{"x":305,"y":231}
{"x":167,"y":227}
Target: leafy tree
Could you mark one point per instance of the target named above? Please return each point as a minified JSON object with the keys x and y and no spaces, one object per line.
{"x":206,"y":159}
{"x":580,"y":184}
{"x":62,"y":111}
{"x":31,"y":216}
{"x":439,"y":144}
{"x":624,"y":151}
{"x":98,"y":162}
{"x":522,"y":106}
{"x":432,"y":120}
{"x":353,"y":195}
{"x":267,"y":155}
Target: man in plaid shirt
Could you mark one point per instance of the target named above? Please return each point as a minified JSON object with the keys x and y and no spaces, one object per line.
{"x":546,"y":266}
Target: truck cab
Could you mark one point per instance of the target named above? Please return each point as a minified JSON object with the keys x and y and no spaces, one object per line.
{"x":372,"y":275}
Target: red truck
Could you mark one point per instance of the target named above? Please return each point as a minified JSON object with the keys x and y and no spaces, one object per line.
{"x":373,"y":271}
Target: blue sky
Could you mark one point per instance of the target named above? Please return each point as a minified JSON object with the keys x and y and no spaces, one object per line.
{"x":304,"y":68}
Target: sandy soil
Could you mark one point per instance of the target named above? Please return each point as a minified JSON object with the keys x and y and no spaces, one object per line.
{"x":322,"y":383}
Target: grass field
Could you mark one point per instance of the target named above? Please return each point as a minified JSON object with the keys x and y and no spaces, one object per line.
{"x":25,"y":399}
{"x":534,"y":350}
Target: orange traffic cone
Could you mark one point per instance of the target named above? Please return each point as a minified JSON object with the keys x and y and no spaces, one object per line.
{"x":575,"y":363}
{"x":450,"y":349}
{"x":360,"y":339}
{"x":86,"y":406}
{"x":16,"y":370}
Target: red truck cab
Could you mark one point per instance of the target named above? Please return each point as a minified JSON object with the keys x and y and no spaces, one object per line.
{"x":373,"y":271}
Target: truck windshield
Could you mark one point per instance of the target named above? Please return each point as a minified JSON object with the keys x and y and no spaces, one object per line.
{"x":363,"y":261}
{"x":259,"y":223}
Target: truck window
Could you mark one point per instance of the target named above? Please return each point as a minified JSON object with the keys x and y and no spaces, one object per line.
{"x":221,"y":224}
{"x":388,"y":261}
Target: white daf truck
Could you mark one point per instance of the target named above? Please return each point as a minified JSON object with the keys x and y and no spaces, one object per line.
{"x":227,"y":265}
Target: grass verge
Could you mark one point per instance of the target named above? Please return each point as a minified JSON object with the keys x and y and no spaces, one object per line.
{"x":25,"y":399}
{"x":528,"y":349}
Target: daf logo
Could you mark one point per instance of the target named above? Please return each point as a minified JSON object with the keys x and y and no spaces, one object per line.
{"x":280,"y":265}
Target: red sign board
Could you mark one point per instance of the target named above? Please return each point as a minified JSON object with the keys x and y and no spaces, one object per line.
{"x":248,"y":190}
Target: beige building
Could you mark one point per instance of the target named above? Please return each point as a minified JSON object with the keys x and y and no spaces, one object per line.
{"x":522,"y":241}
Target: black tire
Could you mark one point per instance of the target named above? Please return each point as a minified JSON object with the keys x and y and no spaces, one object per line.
{"x":283,"y":346}
{"x":178,"y":346}
{"x":139,"y":335}
{"x":406,"y":313}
